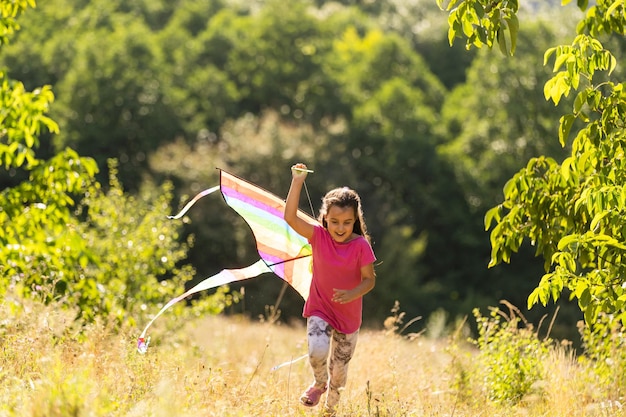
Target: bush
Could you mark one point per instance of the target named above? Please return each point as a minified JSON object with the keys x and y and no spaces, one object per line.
{"x":137,"y":254}
{"x":604,"y":346}
{"x":510,"y":355}
{"x":115,"y":256}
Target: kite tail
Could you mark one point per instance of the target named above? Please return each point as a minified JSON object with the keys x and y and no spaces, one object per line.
{"x":225,"y":276}
{"x":291,"y":362}
{"x":193,"y":201}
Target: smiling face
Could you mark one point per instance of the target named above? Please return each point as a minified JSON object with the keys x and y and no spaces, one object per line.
{"x":340,"y":223}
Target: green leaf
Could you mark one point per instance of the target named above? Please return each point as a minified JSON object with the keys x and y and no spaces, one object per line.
{"x":533,"y":298}
{"x":611,"y":10}
{"x":565,"y":168}
{"x":493,"y":213}
{"x":450,"y":4}
{"x":555,"y":291}
{"x":560,"y":60}
{"x":509,"y":186}
{"x":548,"y":54}
{"x":612,"y":64}
{"x":580,"y":100}
{"x":451,"y":36}
{"x":513,"y":30}
{"x":501,"y":40}
{"x":19,"y":159}
{"x":584,"y":298}
{"x":567,"y":240}
{"x":580,"y":288}
{"x":468,"y":27}
{"x":596,"y":220}
{"x":548,"y":88}
{"x":544,"y":295}
{"x":591,"y":313}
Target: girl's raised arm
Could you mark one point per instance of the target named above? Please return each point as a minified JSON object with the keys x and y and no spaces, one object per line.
{"x":304,"y":228}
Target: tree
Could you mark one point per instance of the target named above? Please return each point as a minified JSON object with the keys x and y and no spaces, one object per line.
{"x":572,"y":212}
{"x":62,"y":236}
{"x":35,"y":240}
{"x":33,"y":209}
{"x":499,"y":116}
{"x":107,"y":68}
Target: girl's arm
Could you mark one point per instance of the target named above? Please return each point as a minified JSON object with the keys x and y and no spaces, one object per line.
{"x":368,"y":281}
{"x":303,"y":228}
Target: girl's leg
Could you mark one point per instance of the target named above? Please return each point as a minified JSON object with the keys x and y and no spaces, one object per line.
{"x":318,"y":332}
{"x":343,"y":346}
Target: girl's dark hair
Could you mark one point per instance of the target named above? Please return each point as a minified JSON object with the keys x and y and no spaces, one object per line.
{"x":344,"y":197}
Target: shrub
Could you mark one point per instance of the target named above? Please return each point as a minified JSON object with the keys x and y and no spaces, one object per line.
{"x":510,"y":355}
{"x":115,"y":255}
{"x":137,"y":254}
{"x":604,"y":346}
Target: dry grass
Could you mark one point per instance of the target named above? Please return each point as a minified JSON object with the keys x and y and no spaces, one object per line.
{"x":219,"y":366}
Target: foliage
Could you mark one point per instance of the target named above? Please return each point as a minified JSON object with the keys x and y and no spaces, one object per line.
{"x":39,"y":236}
{"x":39,"y":242}
{"x":356,"y":89}
{"x":421,"y":23}
{"x":109,"y":259}
{"x":133,"y":248}
{"x":493,"y":122}
{"x":63,"y":238}
{"x":571,"y":211}
{"x":23,"y":119}
{"x":510,"y":358}
{"x":9,"y":11}
{"x":483,"y":22}
{"x":604,"y":346}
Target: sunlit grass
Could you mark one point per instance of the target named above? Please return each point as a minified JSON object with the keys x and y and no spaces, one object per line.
{"x":222,"y":366}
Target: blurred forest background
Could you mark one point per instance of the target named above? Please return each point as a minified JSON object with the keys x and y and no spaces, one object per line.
{"x":368,"y":93}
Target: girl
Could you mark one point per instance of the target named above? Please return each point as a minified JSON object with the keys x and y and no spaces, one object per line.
{"x":343,"y":271}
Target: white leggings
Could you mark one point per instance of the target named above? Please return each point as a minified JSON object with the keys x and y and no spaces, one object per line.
{"x":343,"y":345}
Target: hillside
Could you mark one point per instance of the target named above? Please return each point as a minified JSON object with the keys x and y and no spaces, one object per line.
{"x":218,"y":366}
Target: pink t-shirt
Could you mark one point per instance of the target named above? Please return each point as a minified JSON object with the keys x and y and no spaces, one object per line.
{"x":337,"y":265}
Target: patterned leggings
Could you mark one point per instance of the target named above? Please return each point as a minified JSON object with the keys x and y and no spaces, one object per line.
{"x":343,"y":345}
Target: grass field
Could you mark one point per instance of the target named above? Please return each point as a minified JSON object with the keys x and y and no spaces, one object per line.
{"x":222,"y":366}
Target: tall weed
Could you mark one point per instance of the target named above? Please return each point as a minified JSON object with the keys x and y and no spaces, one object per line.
{"x":511,"y":355}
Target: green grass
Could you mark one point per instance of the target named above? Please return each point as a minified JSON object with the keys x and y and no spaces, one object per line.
{"x":221,"y":366}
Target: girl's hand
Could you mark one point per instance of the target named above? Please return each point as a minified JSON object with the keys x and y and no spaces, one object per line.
{"x":299,"y":171}
{"x":344,"y":296}
{"x":368,"y":280}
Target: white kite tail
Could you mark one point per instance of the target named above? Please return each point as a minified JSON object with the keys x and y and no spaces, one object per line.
{"x":225,"y":276}
{"x":291,"y":362}
{"x":193,"y":201}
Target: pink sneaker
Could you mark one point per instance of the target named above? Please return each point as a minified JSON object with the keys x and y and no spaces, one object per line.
{"x":311,"y":397}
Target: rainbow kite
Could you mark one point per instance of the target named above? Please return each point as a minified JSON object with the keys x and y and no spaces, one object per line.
{"x":283,"y":251}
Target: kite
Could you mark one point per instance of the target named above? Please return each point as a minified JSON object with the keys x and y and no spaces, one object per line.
{"x":281,"y":249}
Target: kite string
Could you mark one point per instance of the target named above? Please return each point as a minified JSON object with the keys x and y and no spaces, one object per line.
{"x":308,"y":196}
